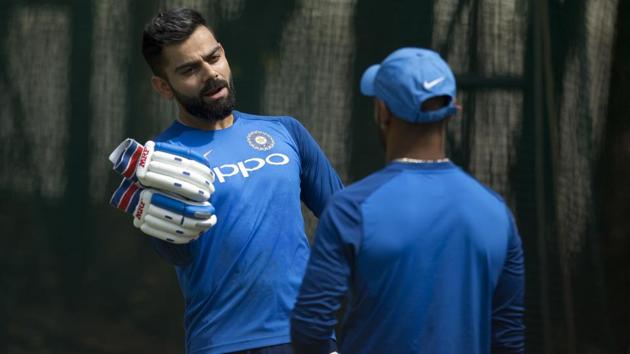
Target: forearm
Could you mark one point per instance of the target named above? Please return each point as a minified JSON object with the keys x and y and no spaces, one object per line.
{"x":177,"y":255}
{"x":304,"y":343}
{"x":508,"y":328}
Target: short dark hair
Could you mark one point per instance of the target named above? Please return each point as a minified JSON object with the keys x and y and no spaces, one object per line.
{"x":168,"y":27}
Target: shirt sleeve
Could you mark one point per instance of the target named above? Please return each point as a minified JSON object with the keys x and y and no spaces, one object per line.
{"x":327,"y":278}
{"x":319,"y":181}
{"x":176,"y":254}
{"x":508,"y":329}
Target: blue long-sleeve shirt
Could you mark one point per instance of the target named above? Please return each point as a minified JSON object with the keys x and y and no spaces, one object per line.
{"x":241,"y":277}
{"x":431,"y":261}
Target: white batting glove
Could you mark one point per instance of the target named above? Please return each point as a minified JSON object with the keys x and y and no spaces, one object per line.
{"x":166,"y":217}
{"x":166,"y":167}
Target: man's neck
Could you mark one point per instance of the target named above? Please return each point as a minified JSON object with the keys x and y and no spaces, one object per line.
{"x":205,"y":124}
{"x":415,"y":152}
{"x":407,"y":141}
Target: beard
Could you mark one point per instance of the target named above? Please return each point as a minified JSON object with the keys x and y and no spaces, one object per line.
{"x":199,"y":107}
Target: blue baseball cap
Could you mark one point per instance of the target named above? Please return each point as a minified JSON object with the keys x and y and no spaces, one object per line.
{"x":407,"y":78}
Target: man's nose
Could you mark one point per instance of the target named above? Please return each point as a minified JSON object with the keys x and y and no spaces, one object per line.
{"x":209,"y":71}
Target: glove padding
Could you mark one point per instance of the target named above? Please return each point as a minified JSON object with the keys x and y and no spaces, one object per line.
{"x":166,"y":167}
{"x":166,"y":217}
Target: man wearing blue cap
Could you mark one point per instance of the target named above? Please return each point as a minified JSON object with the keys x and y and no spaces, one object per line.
{"x":430,"y":257}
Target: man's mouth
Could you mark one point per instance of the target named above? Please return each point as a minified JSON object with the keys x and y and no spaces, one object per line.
{"x":218,"y":93}
{"x":215,"y":92}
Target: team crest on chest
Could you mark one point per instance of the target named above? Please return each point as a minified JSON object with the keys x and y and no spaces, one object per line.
{"x":260,"y":140}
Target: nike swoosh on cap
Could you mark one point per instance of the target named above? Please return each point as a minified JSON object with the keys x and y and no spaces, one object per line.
{"x":428,"y":85}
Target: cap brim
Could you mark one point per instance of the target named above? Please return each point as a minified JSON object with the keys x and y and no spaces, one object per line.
{"x":367,"y":80}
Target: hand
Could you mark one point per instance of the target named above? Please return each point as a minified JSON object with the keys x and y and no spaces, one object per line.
{"x":166,"y":167}
{"x":166,"y":217}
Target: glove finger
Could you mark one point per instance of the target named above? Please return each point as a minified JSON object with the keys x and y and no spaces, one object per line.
{"x":178,"y":219}
{"x":182,"y":161}
{"x":200,"y":225}
{"x":181,"y":151}
{"x":186,"y":208}
{"x":182,"y":173}
{"x":164,"y":236}
{"x":184,"y":222}
{"x":164,"y":214}
{"x":199,"y":212}
{"x":177,"y":186}
{"x":169,"y":227}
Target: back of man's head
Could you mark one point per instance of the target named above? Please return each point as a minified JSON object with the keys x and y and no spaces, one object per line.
{"x":415,"y":84}
{"x":166,"y":28}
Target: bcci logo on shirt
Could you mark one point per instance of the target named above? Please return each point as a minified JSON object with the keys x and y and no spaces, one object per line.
{"x":260,"y":140}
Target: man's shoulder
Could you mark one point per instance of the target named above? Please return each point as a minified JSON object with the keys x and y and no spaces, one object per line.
{"x":267,"y":118}
{"x":169,"y":133}
{"x":483,"y":196}
{"x":483,"y":188}
{"x":357,"y":192}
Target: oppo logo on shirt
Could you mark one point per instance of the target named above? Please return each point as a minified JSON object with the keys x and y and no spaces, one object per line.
{"x":250,"y":165}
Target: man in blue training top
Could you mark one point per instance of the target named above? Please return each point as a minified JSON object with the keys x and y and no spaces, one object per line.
{"x":431,"y":258}
{"x":241,"y":277}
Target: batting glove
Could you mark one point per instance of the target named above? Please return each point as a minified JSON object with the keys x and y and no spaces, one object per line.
{"x":164,"y":216}
{"x":166,"y":167}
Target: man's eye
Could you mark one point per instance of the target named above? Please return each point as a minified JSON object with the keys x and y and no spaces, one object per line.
{"x":188,"y":71}
{"x":214,"y":58}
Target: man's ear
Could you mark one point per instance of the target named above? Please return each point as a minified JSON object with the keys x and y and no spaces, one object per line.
{"x":458,"y":106}
{"x":162,"y":87}
{"x":382,"y":115}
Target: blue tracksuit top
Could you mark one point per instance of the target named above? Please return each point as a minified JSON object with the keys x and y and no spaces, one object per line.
{"x":430,"y":259}
{"x":240,"y":279}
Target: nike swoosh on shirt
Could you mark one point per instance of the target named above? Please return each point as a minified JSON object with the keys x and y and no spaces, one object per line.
{"x":207,"y":153}
{"x":428,"y":85}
